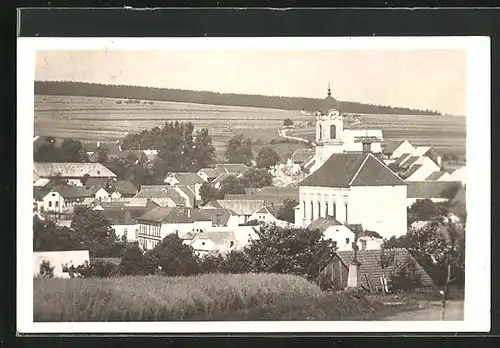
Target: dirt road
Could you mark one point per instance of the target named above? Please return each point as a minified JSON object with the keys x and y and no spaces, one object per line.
{"x":454,"y":311}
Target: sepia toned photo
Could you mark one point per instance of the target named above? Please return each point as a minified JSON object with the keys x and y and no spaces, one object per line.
{"x":210,"y":184}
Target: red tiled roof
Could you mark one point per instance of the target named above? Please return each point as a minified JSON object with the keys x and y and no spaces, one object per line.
{"x":371,"y":268}
{"x":346,"y":170}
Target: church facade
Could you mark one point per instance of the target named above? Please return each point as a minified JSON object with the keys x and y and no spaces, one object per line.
{"x":354,"y":187}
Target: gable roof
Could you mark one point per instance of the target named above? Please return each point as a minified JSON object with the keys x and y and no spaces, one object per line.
{"x":174,"y":215}
{"x":39,"y":193}
{"x":412,"y":170}
{"x":189,"y":191}
{"x":240,"y":207}
{"x":42,"y":182}
{"x":436,"y":175}
{"x":210,"y":172}
{"x":428,"y":189}
{"x":72,"y":192}
{"x":125,"y":187}
{"x":219,"y":216}
{"x":346,"y":170}
{"x":186,"y":178}
{"x":323,"y":223}
{"x":401,"y":159}
{"x":233,"y":168}
{"x":302,"y":155}
{"x":72,"y":170}
{"x":123,"y":216}
{"x":408,"y":163}
{"x":221,"y":177}
{"x":392,"y":146}
{"x":370,"y":265}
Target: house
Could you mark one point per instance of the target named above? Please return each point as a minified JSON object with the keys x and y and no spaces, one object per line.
{"x":237,"y":169}
{"x":459,"y":175}
{"x":420,"y":169}
{"x":301,"y":156}
{"x":221,"y":217}
{"x":433,"y":190}
{"x":58,"y":260}
{"x":42,"y":183}
{"x":72,"y":173}
{"x":245,"y":208}
{"x":213,"y":242}
{"x":63,"y":198}
{"x":145,"y":203}
{"x":122,"y":189}
{"x":158,"y":223}
{"x":351,"y":189}
{"x":184,"y":179}
{"x":219,"y":180}
{"x":163,"y":195}
{"x":341,"y":236}
{"x":208,"y":174}
{"x":38,"y":194}
{"x":98,"y":192}
{"x":395,"y":150}
{"x":268,"y":215}
{"x":272,"y":196}
{"x":124,"y":221}
{"x":371,"y":271}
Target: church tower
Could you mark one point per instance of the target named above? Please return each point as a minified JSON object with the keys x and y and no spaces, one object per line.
{"x":329,"y":130}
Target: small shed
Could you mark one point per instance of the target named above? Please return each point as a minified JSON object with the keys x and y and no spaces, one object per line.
{"x":371,"y":271}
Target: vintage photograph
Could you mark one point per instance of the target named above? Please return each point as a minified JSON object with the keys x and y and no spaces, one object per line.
{"x":250,"y":185}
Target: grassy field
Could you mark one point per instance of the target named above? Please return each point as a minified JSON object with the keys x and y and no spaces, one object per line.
{"x":441,"y":132}
{"x":90,"y":119}
{"x":162,"y":298}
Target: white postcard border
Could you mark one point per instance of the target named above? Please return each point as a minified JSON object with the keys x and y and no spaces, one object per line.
{"x":477,"y":293}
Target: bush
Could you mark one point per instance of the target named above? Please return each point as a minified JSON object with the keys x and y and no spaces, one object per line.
{"x":93,"y":269}
{"x":46,"y":270}
{"x":288,"y":122}
{"x":156,"y":298}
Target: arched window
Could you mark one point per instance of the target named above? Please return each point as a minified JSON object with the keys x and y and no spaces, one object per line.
{"x":333,"y":132}
{"x":319,"y":209}
{"x":304,"y":208}
{"x":312,"y":210}
{"x":320,"y":132}
{"x":326,"y":209}
{"x":334,"y":212}
{"x":346,"y":216}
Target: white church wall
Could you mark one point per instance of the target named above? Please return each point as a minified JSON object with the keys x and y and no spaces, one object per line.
{"x":379,"y":208}
{"x":328,"y":199}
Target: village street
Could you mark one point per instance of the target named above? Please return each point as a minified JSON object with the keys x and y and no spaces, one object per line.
{"x":454,"y":311}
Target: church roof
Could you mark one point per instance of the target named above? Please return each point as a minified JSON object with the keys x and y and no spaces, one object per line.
{"x":328,"y":104}
{"x":346,"y":170}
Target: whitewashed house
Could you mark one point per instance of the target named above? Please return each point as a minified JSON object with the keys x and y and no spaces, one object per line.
{"x":213,"y":242}
{"x":355,"y":189}
{"x":63,"y":199}
{"x":395,"y":150}
{"x":421,"y":169}
{"x":244,"y":208}
{"x":459,"y":175}
{"x":158,"y":223}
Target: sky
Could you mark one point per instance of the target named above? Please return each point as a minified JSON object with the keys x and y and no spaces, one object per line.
{"x":423,"y":79}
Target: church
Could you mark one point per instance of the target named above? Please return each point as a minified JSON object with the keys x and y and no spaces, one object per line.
{"x":331,"y":137}
{"x":353,"y":187}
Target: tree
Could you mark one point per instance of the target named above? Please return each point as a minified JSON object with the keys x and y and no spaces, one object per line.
{"x":102,"y":156}
{"x":84,"y":179}
{"x":422,"y":210}
{"x":288,"y":122}
{"x":46,"y":153}
{"x":204,"y":152}
{"x":239,"y":150}
{"x":451,"y":191}
{"x":96,"y":233}
{"x":290,"y":250}
{"x":174,"y":257}
{"x":287,"y":210}
{"x":135,"y":262}
{"x":209,"y":193}
{"x":46,"y":270}
{"x":232,"y":185}
{"x":267,"y":158}
{"x":257,"y":178}
{"x":47,"y":236}
{"x":72,"y":150}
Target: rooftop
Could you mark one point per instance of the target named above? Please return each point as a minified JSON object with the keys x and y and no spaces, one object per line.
{"x":186,"y":178}
{"x":240,"y":207}
{"x":346,"y":170}
{"x":428,"y":189}
{"x":174,"y":215}
{"x":72,"y":170}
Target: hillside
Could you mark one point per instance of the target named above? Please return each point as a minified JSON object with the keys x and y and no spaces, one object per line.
{"x":66,"y":88}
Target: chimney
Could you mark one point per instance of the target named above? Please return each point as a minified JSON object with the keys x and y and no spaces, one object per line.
{"x":367,"y":147}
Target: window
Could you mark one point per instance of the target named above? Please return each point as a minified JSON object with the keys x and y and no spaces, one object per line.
{"x":334,"y":243}
{"x":125,"y":230}
{"x":312,"y":210}
{"x":333,"y":132}
{"x":346,"y":216}
{"x":347,"y":240}
{"x":319,"y":209}
{"x":231,"y":244}
{"x":57,"y":204}
{"x":326,"y":209}
{"x":334,"y":211}
{"x":320,"y":132}
{"x":304,"y":208}
{"x":50,"y":204}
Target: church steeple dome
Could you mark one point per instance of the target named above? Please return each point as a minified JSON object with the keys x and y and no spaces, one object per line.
{"x":329,"y":103}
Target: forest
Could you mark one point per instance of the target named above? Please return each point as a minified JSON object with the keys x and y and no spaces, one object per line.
{"x":67,"y":88}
